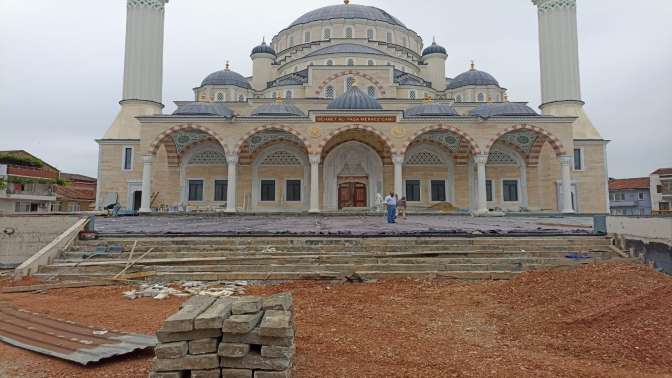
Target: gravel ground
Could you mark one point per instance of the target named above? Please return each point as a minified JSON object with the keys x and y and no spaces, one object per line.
{"x":353,"y":225}
{"x":605,"y":320}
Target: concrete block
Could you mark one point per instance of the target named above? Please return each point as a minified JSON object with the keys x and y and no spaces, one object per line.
{"x":282,"y":301}
{"x":169,"y":337}
{"x":236,"y":373}
{"x":246,"y":307}
{"x":233,"y":350}
{"x":203,"y":346}
{"x":272,"y":374}
{"x":239,"y":324}
{"x":213,"y":373}
{"x":213,"y":316}
{"x":183,"y":320}
{"x":200,"y":362}
{"x":167,"y":374}
{"x":254,"y":360}
{"x":274,"y":351}
{"x":277,"y":324}
{"x":171,"y":350}
{"x":253,"y":337}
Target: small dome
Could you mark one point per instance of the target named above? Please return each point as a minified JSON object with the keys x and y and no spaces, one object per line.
{"x":354,"y":98}
{"x":203,"y":109}
{"x":434,"y":49}
{"x":347,"y":11}
{"x":263,"y":49}
{"x":472,"y":77}
{"x":278,"y":110}
{"x":431,"y":110}
{"x":499,"y":109}
{"x":226,"y":77}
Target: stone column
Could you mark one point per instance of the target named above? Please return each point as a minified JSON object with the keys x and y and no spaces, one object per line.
{"x":398,"y":160}
{"x":232,"y":160}
{"x":146,"y":201}
{"x":482,"y":199}
{"x":565,"y":166}
{"x":314,"y":183}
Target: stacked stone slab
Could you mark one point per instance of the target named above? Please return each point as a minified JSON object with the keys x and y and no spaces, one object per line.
{"x":243,"y":337}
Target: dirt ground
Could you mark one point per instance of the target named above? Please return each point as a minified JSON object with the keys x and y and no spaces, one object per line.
{"x":606,"y":320}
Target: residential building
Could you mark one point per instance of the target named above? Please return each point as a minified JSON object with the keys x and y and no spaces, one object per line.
{"x":79,"y":194}
{"x":661,"y":191}
{"x":27,"y":184}
{"x":630,"y":196}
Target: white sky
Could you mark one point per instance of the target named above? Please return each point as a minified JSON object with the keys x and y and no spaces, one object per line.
{"x":61,"y":64}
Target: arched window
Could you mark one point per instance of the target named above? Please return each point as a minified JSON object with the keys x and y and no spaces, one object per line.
{"x":241,"y":98}
{"x":327,"y":33}
{"x":371,"y":91}
{"x":330,"y":62}
{"x":220,"y":96}
{"x":412,"y":95}
{"x":348,"y":32}
{"x":329,"y":92}
{"x":291,"y":41}
{"x":481,"y":97}
{"x":369,"y":34}
{"x":288,"y":94}
{"x":404,"y":42}
{"x":351,"y":62}
{"x":306,"y":37}
{"x":389,"y":37}
{"x":371,"y":63}
{"x":349,"y":82}
{"x":458,"y":98}
{"x":296,"y":68}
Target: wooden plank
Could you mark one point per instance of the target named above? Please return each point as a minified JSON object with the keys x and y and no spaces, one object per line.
{"x":64,"y":285}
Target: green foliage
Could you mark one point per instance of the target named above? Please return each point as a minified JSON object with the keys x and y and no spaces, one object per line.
{"x":3,"y":184}
{"x":34,"y":180}
{"x":6,"y":158}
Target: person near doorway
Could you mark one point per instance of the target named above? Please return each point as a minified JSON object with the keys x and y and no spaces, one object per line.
{"x":401,"y":205}
{"x":391,"y":204}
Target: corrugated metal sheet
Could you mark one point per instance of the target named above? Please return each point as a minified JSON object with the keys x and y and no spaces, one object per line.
{"x":65,"y":339}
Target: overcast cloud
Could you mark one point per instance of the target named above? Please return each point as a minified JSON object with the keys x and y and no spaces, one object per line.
{"x":61,"y":64}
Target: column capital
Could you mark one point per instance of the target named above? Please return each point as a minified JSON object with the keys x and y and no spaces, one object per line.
{"x":232,"y":158}
{"x":156,"y":4}
{"x":398,"y":159}
{"x":565,"y":160}
{"x":549,"y":5}
{"x":315,"y":159}
{"x":148,"y":159}
{"x":481,"y":159}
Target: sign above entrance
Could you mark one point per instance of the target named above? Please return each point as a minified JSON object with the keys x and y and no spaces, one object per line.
{"x":359,"y":119}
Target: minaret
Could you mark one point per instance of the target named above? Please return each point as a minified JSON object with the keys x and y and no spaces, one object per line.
{"x":559,"y":59}
{"x":143,"y":67}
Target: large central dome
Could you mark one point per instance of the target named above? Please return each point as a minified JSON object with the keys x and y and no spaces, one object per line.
{"x":347,"y":11}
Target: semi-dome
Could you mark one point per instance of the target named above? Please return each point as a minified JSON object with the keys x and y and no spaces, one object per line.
{"x":434,"y":48}
{"x":278,"y":110}
{"x":472,"y":77}
{"x":211,"y":109}
{"x":226,"y":77}
{"x":263,"y":49}
{"x":501,"y":109}
{"x":431,"y":110}
{"x":347,"y":11}
{"x":354,"y":99}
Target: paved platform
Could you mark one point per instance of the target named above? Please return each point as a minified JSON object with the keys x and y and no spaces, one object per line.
{"x":343,"y":225}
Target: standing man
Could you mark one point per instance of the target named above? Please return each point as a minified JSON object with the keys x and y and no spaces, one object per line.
{"x":391,"y":203}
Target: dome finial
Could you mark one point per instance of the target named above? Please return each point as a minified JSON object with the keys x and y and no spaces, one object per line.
{"x":473,"y":66}
{"x":354,"y":82}
{"x":428,"y":99}
{"x":279,"y":100}
{"x":227,"y":66}
{"x":263,"y":40}
{"x":433,"y":40}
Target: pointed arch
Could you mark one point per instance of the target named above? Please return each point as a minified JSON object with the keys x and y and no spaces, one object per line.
{"x":386,"y":140}
{"x":324,"y":83}
{"x":249,"y":134}
{"x":554,"y":141}
{"x":173,"y":155}
{"x":467,"y":146}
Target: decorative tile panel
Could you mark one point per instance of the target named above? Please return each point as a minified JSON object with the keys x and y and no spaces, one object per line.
{"x":184,"y":139}
{"x":446,"y":138}
{"x":281,"y":158}
{"x":523,"y":139}
{"x":423,"y":158}
{"x":259,"y":139}
{"x":209,"y":157}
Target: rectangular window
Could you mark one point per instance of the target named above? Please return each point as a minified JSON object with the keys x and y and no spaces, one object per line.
{"x":438,"y":190}
{"x":268,"y":190}
{"x":578,"y":159}
{"x":488,"y":190}
{"x":221,"y":188}
{"x":293,"y":190}
{"x":641,"y":195}
{"x":195,"y":190}
{"x":128,"y":159}
{"x":659,"y":188}
{"x":664,"y":206}
{"x":510,"y":189}
{"x":413,"y":190}
{"x":307,"y":37}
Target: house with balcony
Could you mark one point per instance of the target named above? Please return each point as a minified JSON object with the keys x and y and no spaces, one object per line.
{"x":27,"y":184}
{"x":630,"y":196}
{"x":661,"y":191}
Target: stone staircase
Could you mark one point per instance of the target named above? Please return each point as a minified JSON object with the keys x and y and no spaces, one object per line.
{"x":287,"y":258}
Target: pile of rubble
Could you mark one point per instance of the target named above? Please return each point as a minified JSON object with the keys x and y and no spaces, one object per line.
{"x":242,"y":337}
{"x":213,"y":289}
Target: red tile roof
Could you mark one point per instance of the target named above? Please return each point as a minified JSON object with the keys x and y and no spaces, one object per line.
{"x":64,"y":193}
{"x":629,"y":183}
{"x":663,"y":171}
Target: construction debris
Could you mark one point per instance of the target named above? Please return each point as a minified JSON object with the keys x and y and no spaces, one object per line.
{"x":66,"y":339}
{"x":214,"y":289}
{"x":63,"y":285}
{"x":241,"y":337}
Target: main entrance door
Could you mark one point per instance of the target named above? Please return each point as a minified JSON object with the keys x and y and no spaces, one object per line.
{"x":351,"y":194}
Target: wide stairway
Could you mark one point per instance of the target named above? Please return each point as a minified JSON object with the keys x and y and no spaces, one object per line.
{"x":287,"y":258}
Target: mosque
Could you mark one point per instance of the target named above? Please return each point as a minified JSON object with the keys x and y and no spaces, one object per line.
{"x":344,"y":105}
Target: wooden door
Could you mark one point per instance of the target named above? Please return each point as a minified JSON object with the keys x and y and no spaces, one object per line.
{"x":344,"y":195}
{"x":359,"y":195}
